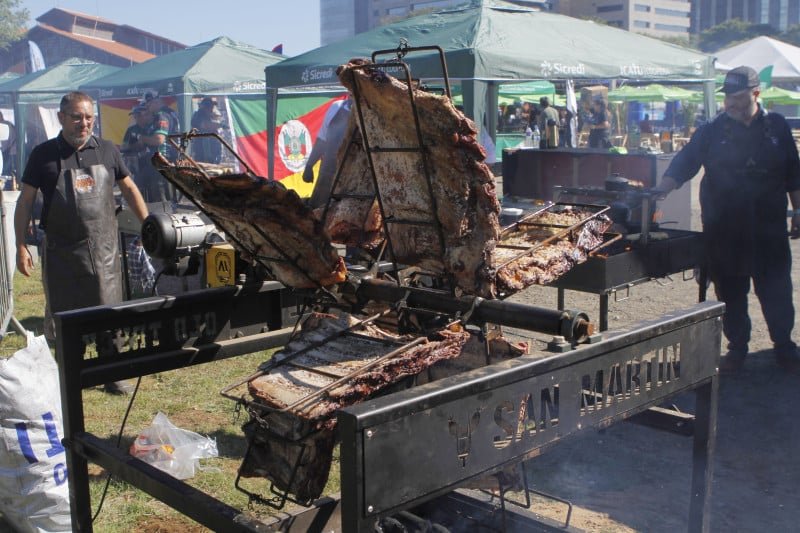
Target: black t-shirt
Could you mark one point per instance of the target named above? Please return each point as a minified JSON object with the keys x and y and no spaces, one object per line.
{"x":44,"y":165}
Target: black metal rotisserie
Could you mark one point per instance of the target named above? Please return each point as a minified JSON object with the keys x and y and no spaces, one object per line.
{"x":626,"y":261}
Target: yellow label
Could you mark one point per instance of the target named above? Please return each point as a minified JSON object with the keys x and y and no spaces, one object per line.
{"x":220,"y":265}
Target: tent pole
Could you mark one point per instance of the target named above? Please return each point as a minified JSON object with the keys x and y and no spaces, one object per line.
{"x":709,"y":101}
{"x":272,"y":108}
{"x":19,"y":123}
{"x":492,"y":93}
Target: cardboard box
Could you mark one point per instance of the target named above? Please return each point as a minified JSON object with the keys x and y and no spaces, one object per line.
{"x":594,"y":92}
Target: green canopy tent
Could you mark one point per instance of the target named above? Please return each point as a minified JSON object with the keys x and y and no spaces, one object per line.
{"x":649,"y":93}
{"x":491,"y":41}
{"x":35,"y":98}
{"x":777,"y":96}
{"x":221,"y":67}
{"x":510,"y":93}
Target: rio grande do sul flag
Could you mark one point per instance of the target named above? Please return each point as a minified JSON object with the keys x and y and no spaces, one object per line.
{"x":299,"y":119}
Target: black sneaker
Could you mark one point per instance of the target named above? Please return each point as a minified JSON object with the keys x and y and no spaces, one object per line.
{"x":732,"y":362}
{"x":120,"y":388}
{"x":788,"y":359}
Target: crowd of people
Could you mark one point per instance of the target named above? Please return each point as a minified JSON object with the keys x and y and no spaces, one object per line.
{"x":518,"y":117}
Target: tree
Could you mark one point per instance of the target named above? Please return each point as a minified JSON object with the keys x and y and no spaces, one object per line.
{"x":13,"y":19}
{"x":731,"y":32}
{"x":686,"y":42}
{"x":791,"y":35}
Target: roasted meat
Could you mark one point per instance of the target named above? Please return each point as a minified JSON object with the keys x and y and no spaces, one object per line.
{"x":265,"y":221}
{"x":448,"y":226}
{"x":540,"y":254}
{"x":353,"y":217}
{"x":286,"y":439}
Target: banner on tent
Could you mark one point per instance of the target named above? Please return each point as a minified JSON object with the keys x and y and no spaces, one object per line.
{"x":299,"y":119}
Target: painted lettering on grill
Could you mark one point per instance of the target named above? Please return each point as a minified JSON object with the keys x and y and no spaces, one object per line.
{"x":530,"y":415}
{"x":150,"y":335}
{"x":622,"y":381}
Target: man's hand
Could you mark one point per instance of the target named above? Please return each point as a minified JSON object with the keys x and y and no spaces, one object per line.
{"x":308,"y":174}
{"x":794,"y":233}
{"x":665,"y":186}
{"x":24,"y":261}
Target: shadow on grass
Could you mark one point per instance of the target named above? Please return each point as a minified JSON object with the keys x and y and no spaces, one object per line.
{"x":34,"y":324}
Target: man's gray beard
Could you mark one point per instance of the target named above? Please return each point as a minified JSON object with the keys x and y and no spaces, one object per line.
{"x":76,"y":141}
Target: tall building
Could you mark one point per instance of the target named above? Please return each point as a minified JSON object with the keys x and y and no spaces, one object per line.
{"x":340,"y":19}
{"x":659,"y":18}
{"x":780,"y":14}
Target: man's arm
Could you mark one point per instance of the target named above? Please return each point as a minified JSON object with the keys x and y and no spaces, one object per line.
{"x":685,"y":164}
{"x":133,"y":197}
{"x":22,"y":219}
{"x":154,"y":140}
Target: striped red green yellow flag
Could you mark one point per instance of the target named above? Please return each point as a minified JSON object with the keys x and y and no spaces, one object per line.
{"x":115,"y":118}
{"x":299,"y":118}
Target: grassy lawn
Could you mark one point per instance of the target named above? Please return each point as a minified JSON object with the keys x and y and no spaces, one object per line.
{"x":190,"y":398}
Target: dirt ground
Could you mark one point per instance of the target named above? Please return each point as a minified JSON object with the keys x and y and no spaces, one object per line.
{"x":634,"y":478}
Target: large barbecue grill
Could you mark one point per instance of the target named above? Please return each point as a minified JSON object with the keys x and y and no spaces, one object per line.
{"x":643,"y":250}
{"x":423,"y":438}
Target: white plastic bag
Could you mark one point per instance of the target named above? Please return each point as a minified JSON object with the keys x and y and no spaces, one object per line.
{"x":174,"y":450}
{"x":34,"y":494}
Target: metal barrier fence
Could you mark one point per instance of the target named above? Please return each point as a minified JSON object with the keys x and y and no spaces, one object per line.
{"x":8,"y":201}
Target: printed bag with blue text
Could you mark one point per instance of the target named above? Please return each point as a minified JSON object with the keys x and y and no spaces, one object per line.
{"x":34,"y":495}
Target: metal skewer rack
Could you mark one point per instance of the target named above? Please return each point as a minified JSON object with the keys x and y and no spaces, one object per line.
{"x":284,"y":254}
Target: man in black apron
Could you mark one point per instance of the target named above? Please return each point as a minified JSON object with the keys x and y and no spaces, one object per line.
{"x":76,"y":173}
{"x":751,"y":166}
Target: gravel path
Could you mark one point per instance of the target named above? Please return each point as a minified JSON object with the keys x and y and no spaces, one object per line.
{"x":633,"y":478}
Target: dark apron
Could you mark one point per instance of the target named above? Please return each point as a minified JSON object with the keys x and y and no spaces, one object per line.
{"x":81,"y":264}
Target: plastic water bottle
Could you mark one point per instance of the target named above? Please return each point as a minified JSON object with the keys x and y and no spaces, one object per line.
{"x":537,"y":136}
{"x":528,"y":138}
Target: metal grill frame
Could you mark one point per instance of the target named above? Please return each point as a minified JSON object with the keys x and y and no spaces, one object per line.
{"x":173,"y":319}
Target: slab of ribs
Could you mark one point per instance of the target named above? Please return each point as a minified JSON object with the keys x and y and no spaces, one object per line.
{"x":334,"y":363}
{"x":266,"y":221}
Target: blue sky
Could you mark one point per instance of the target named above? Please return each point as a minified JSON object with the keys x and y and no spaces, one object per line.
{"x":261,"y":23}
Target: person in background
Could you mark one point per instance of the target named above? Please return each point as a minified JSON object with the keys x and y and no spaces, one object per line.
{"x":600,"y":128}
{"x":76,"y":172}
{"x":134,"y":151}
{"x":645,"y":126}
{"x":564,"y":133}
{"x":329,"y":138}
{"x":207,"y":119}
{"x":548,"y":124}
{"x":164,"y":121}
{"x":751,"y":165}
{"x":8,"y":146}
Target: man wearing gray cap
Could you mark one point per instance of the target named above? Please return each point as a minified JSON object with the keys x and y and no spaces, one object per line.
{"x":751,"y":165}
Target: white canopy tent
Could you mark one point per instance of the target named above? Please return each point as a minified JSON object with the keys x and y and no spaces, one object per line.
{"x":762,"y":52}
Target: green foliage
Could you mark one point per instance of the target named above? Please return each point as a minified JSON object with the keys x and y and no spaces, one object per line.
{"x":12,"y":22}
{"x":686,"y":42}
{"x":791,"y":35}
{"x":731,"y":32}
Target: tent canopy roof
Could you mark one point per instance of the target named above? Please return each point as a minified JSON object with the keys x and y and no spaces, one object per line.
{"x":219,"y":66}
{"x":58,"y":79}
{"x":496,"y":40}
{"x":762,"y":52}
